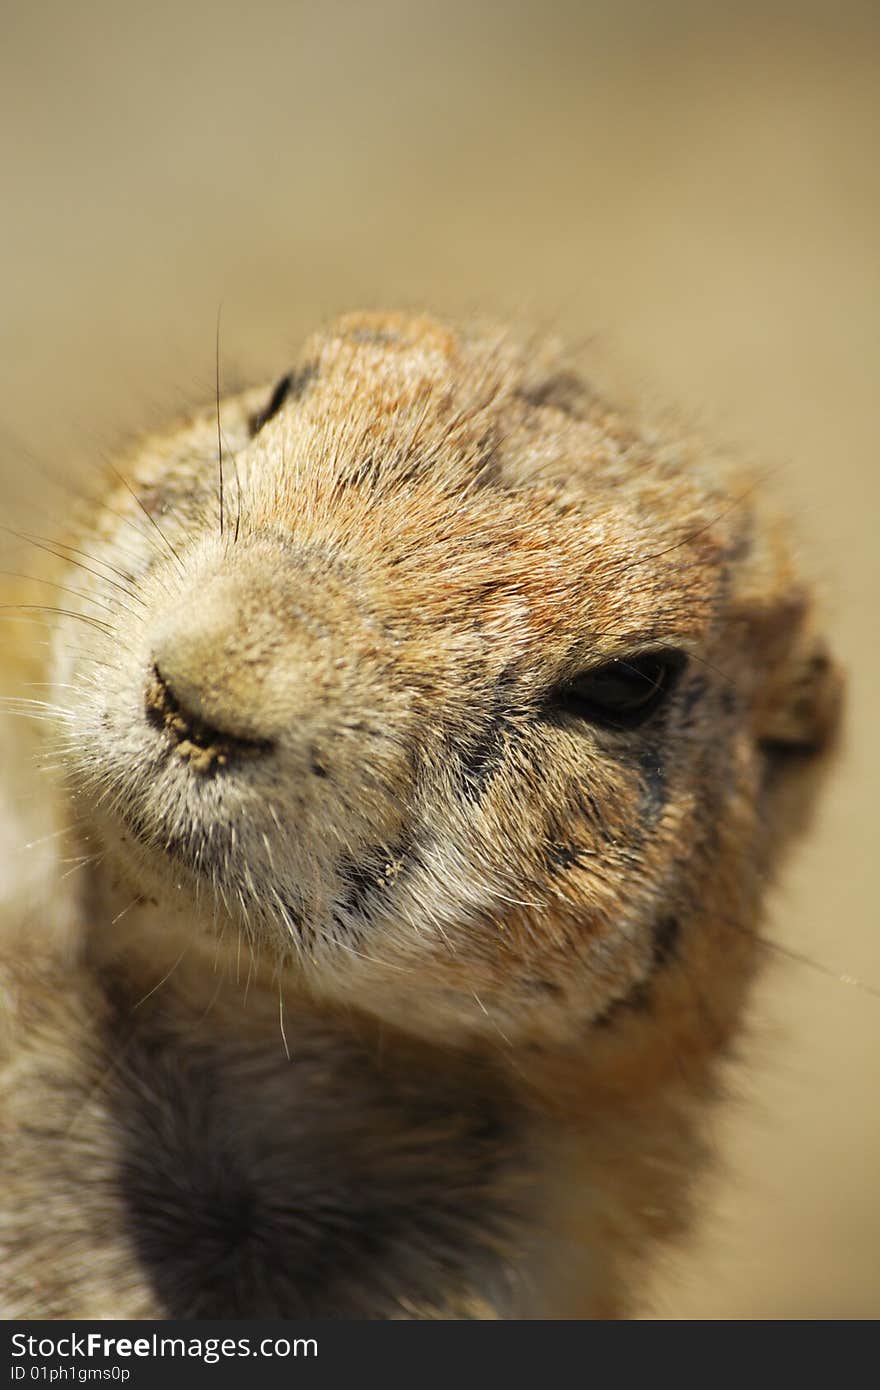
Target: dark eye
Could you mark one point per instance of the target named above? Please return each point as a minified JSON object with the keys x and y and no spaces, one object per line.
{"x":624,"y":692}
{"x":290,"y":388}
{"x":273,"y":405}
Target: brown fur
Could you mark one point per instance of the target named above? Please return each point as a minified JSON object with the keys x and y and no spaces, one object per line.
{"x":342,"y":814}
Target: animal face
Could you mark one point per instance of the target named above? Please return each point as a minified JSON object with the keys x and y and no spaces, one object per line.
{"x":433,"y":678}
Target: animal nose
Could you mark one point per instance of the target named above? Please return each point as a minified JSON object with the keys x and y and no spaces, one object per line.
{"x":219,"y":675}
{"x":204,"y":745}
{"x":260,"y":650}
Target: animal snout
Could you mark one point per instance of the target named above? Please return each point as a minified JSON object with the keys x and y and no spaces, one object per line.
{"x":206,"y":746}
{"x":254,"y":653}
{"x":210,"y":686}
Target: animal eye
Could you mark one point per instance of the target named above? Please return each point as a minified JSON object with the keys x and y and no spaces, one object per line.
{"x":624,"y":692}
{"x":273,"y":405}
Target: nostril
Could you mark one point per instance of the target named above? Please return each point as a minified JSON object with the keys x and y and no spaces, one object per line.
{"x":204,"y":746}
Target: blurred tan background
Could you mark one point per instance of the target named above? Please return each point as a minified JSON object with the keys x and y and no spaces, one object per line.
{"x":696,"y":184}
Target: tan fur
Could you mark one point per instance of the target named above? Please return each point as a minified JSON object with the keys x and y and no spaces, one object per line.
{"x":341,"y":814}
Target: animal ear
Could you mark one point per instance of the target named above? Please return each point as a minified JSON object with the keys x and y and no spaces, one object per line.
{"x":803,"y":712}
{"x":799,"y":688}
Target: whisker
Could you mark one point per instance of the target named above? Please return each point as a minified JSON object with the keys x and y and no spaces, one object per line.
{"x":800,"y":958}
{"x":43,"y":839}
{"x":79,"y":494}
{"x":63,"y":612}
{"x":281,"y":1021}
{"x":493,"y":1021}
{"x":152,"y":520}
{"x":691,"y":536}
{"x":62,"y":588}
{"x":136,"y":899}
{"x":165,"y":977}
{"x":42,"y":544}
{"x":130,"y":581}
{"x":217,"y":397}
{"x":82,"y":864}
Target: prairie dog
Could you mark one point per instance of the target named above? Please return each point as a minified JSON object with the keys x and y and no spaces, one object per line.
{"x":428,"y":730}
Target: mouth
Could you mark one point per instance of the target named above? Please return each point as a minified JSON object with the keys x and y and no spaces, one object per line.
{"x":195,"y":850}
{"x":182,"y":802}
{"x":200,"y":860}
{"x":207,"y":749}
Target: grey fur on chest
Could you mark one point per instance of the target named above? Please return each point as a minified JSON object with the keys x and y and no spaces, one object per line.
{"x":332,"y":1184}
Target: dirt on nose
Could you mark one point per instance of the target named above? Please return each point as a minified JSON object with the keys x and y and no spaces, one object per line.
{"x":206,"y":748}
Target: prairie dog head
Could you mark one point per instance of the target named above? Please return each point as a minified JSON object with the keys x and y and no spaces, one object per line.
{"x":464,"y":699}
